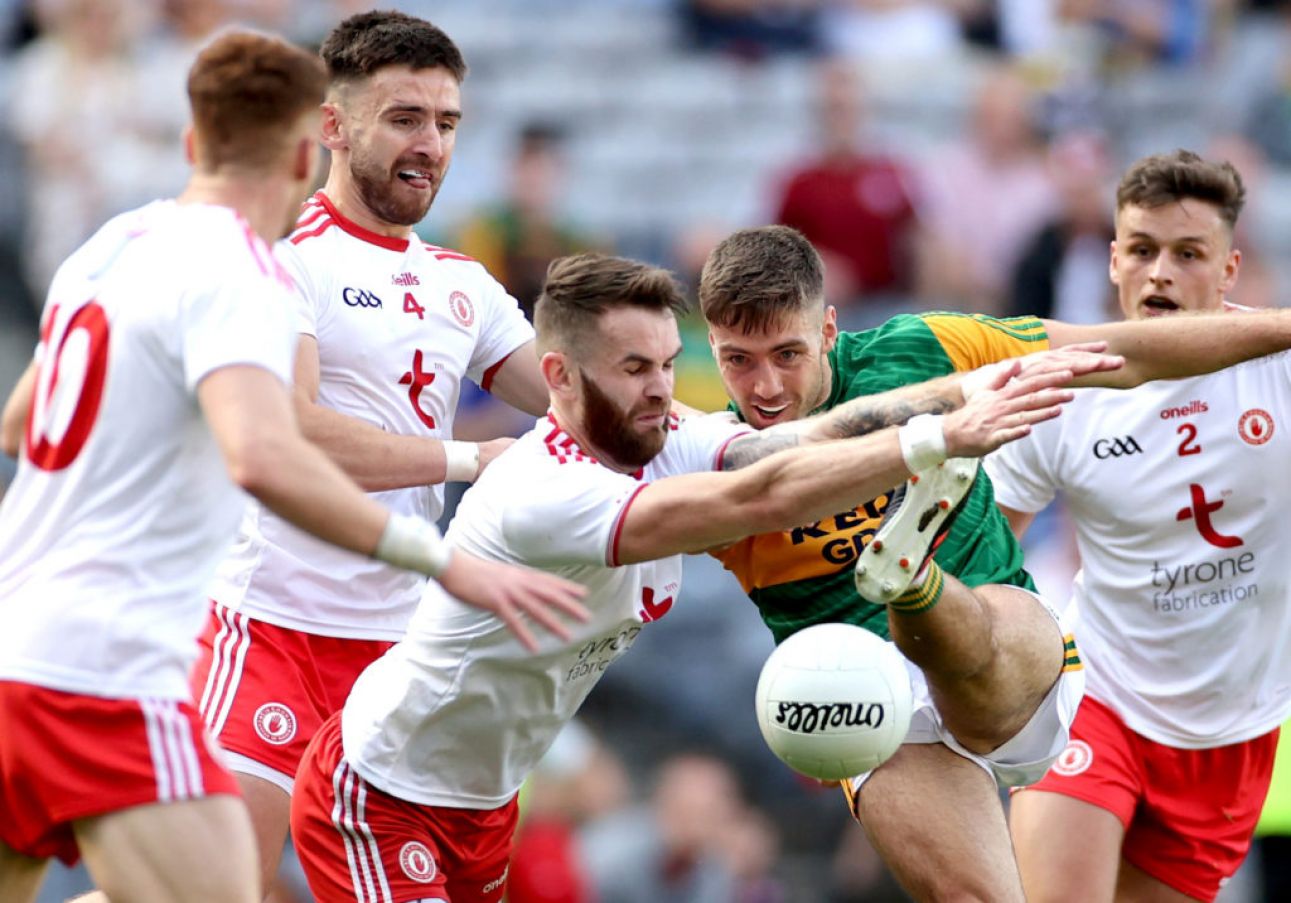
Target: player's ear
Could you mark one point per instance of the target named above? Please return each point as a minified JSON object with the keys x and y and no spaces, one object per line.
{"x":190,"y":145}
{"x":1111,"y":264}
{"x":1231,"y":268}
{"x":829,"y":330}
{"x":558,"y":372}
{"x":333,"y":127}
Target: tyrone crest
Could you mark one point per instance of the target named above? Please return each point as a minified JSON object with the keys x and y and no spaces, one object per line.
{"x":463,"y":310}
{"x":416,"y":862}
{"x":275,"y":723}
{"x":1255,"y":426}
{"x":1077,"y":757}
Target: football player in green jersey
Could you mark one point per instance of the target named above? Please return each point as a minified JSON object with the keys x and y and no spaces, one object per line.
{"x":996,"y":674}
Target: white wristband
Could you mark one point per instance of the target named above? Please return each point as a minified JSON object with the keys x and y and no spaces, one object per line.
{"x":923,"y":444}
{"x":413,"y":544}
{"x":461,"y":461}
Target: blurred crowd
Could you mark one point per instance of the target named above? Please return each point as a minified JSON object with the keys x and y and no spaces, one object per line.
{"x":941,"y":154}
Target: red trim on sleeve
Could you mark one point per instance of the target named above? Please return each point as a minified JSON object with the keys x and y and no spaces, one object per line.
{"x":322,"y":227}
{"x":721,"y":452}
{"x":486,"y":382}
{"x":612,"y":553}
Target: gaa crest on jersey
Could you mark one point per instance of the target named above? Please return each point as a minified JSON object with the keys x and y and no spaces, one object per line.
{"x":1255,"y":426}
{"x":275,"y":723}
{"x":463,"y":310}
{"x":1076,"y":758}
{"x":416,"y":862}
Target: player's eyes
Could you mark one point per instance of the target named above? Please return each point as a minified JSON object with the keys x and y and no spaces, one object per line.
{"x":789,"y":356}
{"x":736,"y":360}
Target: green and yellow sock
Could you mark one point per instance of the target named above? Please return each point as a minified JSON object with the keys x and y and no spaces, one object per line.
{"x":923,"y":594}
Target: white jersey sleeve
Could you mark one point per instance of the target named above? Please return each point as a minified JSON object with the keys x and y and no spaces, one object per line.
{"x":561,"y":523}
{"x":219,"y":327}
{"x":503,"y":330}
{"x":1021,"y":474}
{"x":305,"y":290}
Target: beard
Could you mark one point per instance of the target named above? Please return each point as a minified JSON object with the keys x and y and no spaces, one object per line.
{"x":612,"y":433}
{"x":378,"y":192}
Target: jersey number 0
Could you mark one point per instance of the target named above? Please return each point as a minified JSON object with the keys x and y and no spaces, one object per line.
{"x":69,"y":387}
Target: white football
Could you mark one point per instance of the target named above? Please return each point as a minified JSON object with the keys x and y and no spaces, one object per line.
{"x":834,"y":701}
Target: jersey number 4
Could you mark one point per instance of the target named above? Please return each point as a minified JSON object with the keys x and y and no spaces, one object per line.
{"x":69,"y":387}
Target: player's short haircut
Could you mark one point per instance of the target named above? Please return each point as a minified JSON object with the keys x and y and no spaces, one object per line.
{"x":1167,"y":178}
{"x":368,"y":42}
{"x":756,"y":278}
{"x":247,"y":90}
{"x":580,"y":288}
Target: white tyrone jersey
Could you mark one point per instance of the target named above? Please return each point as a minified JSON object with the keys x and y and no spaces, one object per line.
{"x":1180,"y":493}
{"x":122,"y":505}
{"x":398,"y":323}
{"x":458,"y":713}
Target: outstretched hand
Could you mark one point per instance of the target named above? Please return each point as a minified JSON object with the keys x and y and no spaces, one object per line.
{"x":515,"y":594}
{"x":1080,"y":358}
{"x":1005,"y":406}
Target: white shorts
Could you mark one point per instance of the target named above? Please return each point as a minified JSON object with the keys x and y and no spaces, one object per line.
{"x":1024,"y":757}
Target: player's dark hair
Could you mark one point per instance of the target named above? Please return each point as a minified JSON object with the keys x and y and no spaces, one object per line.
{"x":367,"y":42}
{"x":1166,"y":178}
{"x":578,"y":289}
{"x":755,"y":278}
{"x":246,"y":90}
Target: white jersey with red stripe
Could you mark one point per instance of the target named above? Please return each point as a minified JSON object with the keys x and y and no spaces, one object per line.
{"x":458,"y":713}
{"x":399,"y":324}
{"x":1179,"y":494}
{"x":122,"y":505}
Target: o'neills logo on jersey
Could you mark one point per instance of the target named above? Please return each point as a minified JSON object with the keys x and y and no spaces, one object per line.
{"x":1191,"y":408}
{"x":275,"y":723}
{"x":405,"y":279}
{"x":416,"y":862}
{"x":463,"y":310}
{"x":496,"y":883}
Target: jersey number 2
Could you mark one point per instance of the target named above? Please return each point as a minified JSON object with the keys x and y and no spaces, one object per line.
{"x":1188,"y":445}
{"x":69,"y":388}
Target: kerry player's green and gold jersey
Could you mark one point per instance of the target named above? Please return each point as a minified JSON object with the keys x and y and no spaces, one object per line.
{"x":803,"y":576}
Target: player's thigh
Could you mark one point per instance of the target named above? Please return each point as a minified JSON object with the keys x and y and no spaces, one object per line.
{"x":200,"y":849}
{"x":20,"y":875}
{"x":269,"y":808}
{"x":1067,"y":849}
{"x":936,"y":819}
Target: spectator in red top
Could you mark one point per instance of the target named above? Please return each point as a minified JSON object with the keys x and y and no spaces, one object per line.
{"x":852,"y":205}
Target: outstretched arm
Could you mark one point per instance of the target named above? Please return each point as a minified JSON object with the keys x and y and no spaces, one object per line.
{"x":249,"y":412}
{"x":1178,"y":345}
{"x":870,"y":413}
{"x":700,"y":511}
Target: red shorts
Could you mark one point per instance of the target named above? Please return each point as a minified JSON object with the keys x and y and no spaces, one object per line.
{"x":1188,"y":813}
{"x":264,"y":690}
{"x":66,"y":757}
{"x":357,"y":843}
